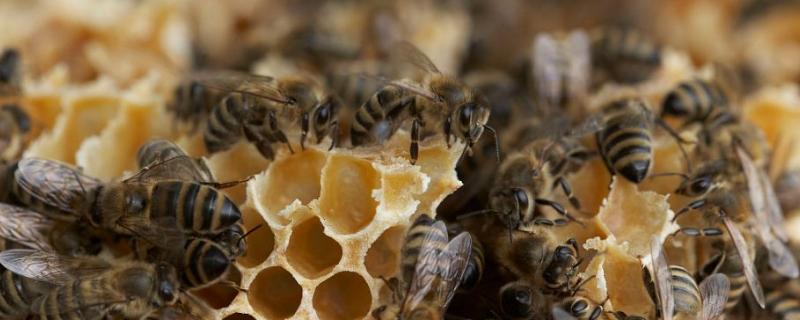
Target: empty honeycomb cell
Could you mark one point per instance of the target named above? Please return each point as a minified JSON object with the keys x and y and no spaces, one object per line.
{"x":345,"y":295}
{"x":346,"y":202}
{"x":383,"y":256}
{"x":275,"y":294}
{"x":240,"y":161}
{"x":310,"y":251}
{"x":260,"y":243}
{"x":220,"y":294}
{"x":293,"y":177}
{"x":239,"y":316}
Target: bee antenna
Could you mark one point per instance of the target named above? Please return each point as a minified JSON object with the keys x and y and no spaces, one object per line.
{"x":496,"y":141}
{"x":474,"y":213}
{"x":249,"y":232}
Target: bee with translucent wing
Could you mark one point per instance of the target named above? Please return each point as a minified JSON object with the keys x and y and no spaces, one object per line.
{"x":562,"y":69}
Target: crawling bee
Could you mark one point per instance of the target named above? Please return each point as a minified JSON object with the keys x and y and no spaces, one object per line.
{"x":695,"y":100}
{"x":562,"y":69}
{"x":145,"y":206}
{"x":624,"y":55}
{"x":538,"y":257}
{"x":91,"y":288}
{"x":430,"y":271}
{"x":625,"y":142}
{"x":520,"y":300}
{"x":676,"y":292}
{"x":440,"y":100}
{"x":261,"y":109}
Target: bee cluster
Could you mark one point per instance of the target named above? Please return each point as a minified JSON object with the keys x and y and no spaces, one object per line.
{"x":603,"y":178}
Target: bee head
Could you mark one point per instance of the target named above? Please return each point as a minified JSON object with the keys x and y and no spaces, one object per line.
{"x":511,"y":204}
{"x":324,"y":117}
{"x":516,"y":300}
{"x":471,"y":118}
{"x":562,"y":267}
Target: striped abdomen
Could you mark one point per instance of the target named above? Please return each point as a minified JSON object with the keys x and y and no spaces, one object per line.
{"x":353,"y":90}
{"x":474,"y":271}
{"x":204,"y":262}
{"x":627,"y":55}
{"x":18,"y":293}
{"x":783,"y":304}
{"x":70,"y":301}
{"x":158,"y":150}
{"x":421,"y":229}
{"x":685,"y":291}
{"x":694,"y":100}
{"x":224,"y":125}
{"x":195,"y":207}
{"x":625,"y":142}
{"x":372,"y":120}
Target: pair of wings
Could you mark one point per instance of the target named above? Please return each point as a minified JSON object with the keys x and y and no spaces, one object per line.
{"x":170,"y":163}
{"x":713,"y":289}
{"x":66,"y":189}
{"x":263,"y":87}
{"x":438,"y":271}
{"x":561,"y":67}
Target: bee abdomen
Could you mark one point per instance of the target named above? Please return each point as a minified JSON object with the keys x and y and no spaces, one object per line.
{"x":378,"y":108}
{"x":204,"y":262}
{"x":627,"y":151}
{"x":224,"y":126}
{"x":195,"y":207}
{"x":421,"y":231}
{"x":694,"y":99}
{"x":474,"y":270}
{"x":15,"y":298}
{"x":784,"y":305}
{"x":157,"y":149}
{"x":738,"y":286}
{"x":65,"y":302}
{"x":685,"y":290}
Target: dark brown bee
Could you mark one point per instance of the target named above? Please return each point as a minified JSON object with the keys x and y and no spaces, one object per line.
{"x":695,"y":100}
{"x":537,"y":256}
{"x":439,"y":101}
{"x":624,"y":55}
{"x":91,"y":288}
{"x":431,"y":268}
{"x":145,"y":206}
{"x":263,"y":108}
{"x":522,"y":301}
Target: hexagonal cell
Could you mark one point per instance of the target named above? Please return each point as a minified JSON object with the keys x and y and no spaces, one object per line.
{"x":346,"y":202}
{"x":239,"y":162}
{"x":239,"y":316}
{"x":260,"y":243}
{"x":345,"y":295}
{"x":294,"y":177}
{"x":274,"y":293}
{"x":384,"y":254}
{"x":220,"y":295}
{"x":310,"y":251}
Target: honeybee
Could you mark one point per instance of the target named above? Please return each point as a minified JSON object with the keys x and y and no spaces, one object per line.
{"x":520,"y":300}
{"x":624,"y":55}
{"x":474,"y":270}
{"x":675,"y":290}
{"x":625,"y":141}
{"x":440,"y":100}
{"x":431,"y":269}
{"x":10,"y":78}
{"x":527,"y":178}
{"x":91,"y":288}
{"x":14,"y":121}
{"x":162,"y":212}
{"x":182,"y":167}
{"x":695,"y":100}
{"x":538,"y":257}
{"x":562,"y":69}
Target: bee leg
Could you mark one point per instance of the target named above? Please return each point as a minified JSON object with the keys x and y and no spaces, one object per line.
{"x":334,"y":135}
{"x":557,"y":207}
{"x":303,"y":131}
{"x":548,"y":223}
{"x":681,"y":141}
{"x":414,"y":140}
{"x":233,"y":285}
{"x":565,"y":186}
{"x":691,"y":206}
{"x":227,"y":184}
{"x":447,"y":128}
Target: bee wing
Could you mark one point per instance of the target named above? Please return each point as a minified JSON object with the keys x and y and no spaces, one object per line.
{"x":714,"y":291}
{"x":763,"y":199}
{"x":408,"y":52}
{"x":92,"y":302}
{"x":747,"y":263}
{"x":438,"y":268}
{"x":50,"y":267}
{"x":25,"y":227}
{"x":245,"y":83}
{"x":579,"y":63}
{"x":162,"y":232}
{"x":662,"y":279}
{"x":546,"y":69}
{"x":179,"y":167}
{"x":767,"y":217}
{"x":160,"y":150}
{"x":53,"y":182}
{"x":561,"y":314}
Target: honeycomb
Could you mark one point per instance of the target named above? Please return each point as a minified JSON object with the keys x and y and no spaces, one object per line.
{"x":331,"y":223}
